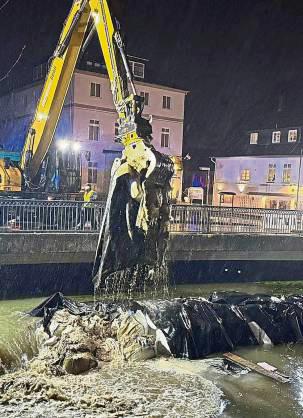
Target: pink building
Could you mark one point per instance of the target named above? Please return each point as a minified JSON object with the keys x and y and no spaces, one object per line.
{"x":89,"y":120}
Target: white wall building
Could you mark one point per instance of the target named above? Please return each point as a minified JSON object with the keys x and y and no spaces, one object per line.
{"x":89,"y":118}
{"x":273,"y":180}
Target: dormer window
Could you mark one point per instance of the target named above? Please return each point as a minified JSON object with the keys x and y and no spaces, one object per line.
{"x":253,"y":138}
{"x":292,"y":135}
{"x":137,"y":68}
{"x":276,"y":137}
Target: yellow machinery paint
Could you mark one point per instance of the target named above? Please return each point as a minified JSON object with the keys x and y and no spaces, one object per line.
{"x":134,"y":130}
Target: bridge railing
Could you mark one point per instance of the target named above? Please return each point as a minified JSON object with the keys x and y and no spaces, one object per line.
{"x":225,"y":220}
{"x":68,"y":216}
{"x":39,"y":215}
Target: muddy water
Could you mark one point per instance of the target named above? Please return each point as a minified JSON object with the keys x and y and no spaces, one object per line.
{"x":178,"y":388}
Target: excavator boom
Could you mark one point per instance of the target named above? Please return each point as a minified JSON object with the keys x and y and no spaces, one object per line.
{"x":134,"y":228}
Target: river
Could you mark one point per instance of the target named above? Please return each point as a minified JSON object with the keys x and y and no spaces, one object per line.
{"x":244,"y":395}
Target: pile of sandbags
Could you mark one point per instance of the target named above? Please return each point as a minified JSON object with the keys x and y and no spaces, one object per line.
{"x":75,"y":337}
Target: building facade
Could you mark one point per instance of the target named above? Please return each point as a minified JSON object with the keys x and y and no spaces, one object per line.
{"x":269,"y":173}
{"x":88,"y":121}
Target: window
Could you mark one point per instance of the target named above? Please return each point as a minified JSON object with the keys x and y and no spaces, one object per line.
{"x":227,"y":199}
{"x":145,"y":97}
{"x":137,"y":68}
{"x":284,"y":204}
{"x":286,"y":175}
{"x":94,"y":130}
{"x":166,"y":102}
{"x":116,"y":129}
{"x":165,"y":138}
{"x":276,"y":136}
{"x":254,"y":138}
{"x":273,"y":204}
{"x":97,"y":64}
{"x":89,"y":63}
{"x":271,"y":176}
{"x":95,"y":90}
{"x":88,"y":155}
{"x":292,"y":135}
{"x":245,"y":175}
{"x":92,"y":172}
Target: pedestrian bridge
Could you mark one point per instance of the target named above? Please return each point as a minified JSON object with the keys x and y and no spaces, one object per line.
{"x":42,"y":232}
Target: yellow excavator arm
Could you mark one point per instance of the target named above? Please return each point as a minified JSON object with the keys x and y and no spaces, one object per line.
{"x":134,"y":228}
{"x":84,"y":14}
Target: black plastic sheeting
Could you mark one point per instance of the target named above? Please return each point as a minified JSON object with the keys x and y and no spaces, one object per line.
{"x":196,"y":327}
{"x":122,"y":243}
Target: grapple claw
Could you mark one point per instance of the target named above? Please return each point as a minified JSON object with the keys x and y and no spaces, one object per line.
{"x":134,"y":230}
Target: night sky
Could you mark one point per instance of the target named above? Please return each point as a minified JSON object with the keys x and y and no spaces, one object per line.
{"x":238,"y":59}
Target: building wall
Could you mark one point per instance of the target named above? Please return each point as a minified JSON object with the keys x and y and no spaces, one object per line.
{"x":261,"y":189}
{"x":80,"y":108}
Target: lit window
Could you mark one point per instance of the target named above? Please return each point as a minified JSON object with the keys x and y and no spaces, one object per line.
{"x":271,"y":176}
{"x":95,"y":90}
{"x":89,"y":63}
{"x":286,"y":175}
{"x":92,"y":172}
{"x":254,"y":137}
{"x":97,"y":64}
{"x":245,"y":175}
{"x":276,"y":137}
{"x":166,"y":102}
{"x":273,"y":204}
{"x":145,"y":97}
{"x":292,"y":135}
{"x":165,"y":138}
{"x":137,"y":68}
{"x":94,"y":130}
{"x":284,"y":204}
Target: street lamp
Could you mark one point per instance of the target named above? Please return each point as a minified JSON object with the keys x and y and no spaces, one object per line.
{"x":62,"y":144}
{"x":241,"y":187}
{"x":76,"y":146}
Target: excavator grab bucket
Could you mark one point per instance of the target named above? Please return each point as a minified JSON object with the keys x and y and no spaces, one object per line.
{"x":134,"y":230}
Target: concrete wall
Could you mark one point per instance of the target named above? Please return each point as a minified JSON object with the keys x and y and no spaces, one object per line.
{"x":53,"y":248}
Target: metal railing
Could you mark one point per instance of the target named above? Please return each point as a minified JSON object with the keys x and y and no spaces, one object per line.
{"x":39,"y":215}
{"x":227,"y":220}
{"x":69,"y":216}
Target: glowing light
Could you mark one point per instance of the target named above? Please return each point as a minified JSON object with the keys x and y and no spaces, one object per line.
{"x":241,"y":187}
{"x":76,"y":146}
{"x":62,"y":145}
